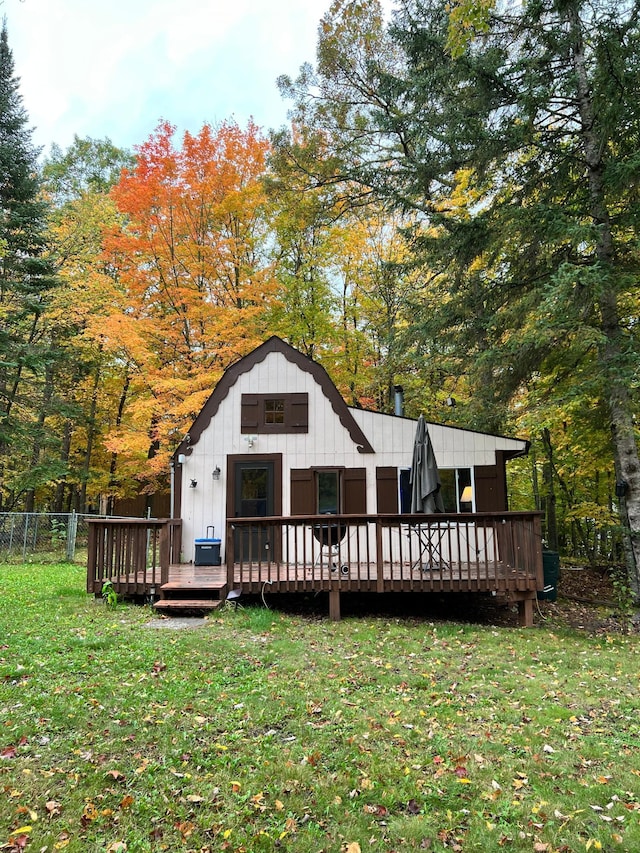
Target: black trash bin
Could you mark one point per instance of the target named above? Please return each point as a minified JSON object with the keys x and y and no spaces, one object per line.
{"x":551,"y":572}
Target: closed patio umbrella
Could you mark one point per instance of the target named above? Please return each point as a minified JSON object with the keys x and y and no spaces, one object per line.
{"x":424,"y":477}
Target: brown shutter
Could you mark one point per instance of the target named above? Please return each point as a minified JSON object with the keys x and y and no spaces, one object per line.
{"x":303,"y":494}
{"x":491,"y":493}
{"x":249,"y":413}
{"x":297,"y":416}
{"x":355,"y":490}
{"x":387,"y":489}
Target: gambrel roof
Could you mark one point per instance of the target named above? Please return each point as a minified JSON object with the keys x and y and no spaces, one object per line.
{"x":244,"y":365}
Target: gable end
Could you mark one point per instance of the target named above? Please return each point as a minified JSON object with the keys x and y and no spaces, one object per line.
{"x":244,"y":365}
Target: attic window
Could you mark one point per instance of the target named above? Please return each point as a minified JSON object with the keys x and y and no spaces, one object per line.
{"x":276,"y":413}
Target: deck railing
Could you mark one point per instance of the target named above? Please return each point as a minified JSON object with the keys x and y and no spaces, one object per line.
{"x":133,"y":553}
{"x":444,"y":552}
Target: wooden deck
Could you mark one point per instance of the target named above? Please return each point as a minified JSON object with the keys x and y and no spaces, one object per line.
{"x":492,"y":553}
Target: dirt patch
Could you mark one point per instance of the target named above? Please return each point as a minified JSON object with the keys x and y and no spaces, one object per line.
{"x":177,"y":623}
{"x":586,"y":601}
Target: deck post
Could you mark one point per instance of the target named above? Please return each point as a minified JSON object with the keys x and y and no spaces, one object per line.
{"x":230,"y":558}
{"x":334,"y":605}
{"x":92,"y":554}
{"x":165,"y":554}
{"x":379,"y":561}
{"x":525,"y":613}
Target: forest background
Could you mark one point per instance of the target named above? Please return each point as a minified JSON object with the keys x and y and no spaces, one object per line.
{"x":454,"y":208}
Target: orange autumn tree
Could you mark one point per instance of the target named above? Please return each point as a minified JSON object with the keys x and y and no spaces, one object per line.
{"x":195,"y":284}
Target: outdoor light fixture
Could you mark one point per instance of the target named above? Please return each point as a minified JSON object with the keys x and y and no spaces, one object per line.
{"x":216,"y":473}
{"x":193,"y":484}
{"x":250,"y":439}
{"x":181,"y":458}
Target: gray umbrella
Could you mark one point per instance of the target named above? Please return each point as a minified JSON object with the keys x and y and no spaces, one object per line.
{"x":424,"y":477}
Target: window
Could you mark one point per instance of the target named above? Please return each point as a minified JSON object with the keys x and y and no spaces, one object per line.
{"x":328,"y":492}
{"x":274,"y":411}
{"x":454,"y":481}
{"x":277,"y":413}
{"x":405,"y":489}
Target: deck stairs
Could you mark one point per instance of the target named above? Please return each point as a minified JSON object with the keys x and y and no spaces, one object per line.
{"x":185,"y":596}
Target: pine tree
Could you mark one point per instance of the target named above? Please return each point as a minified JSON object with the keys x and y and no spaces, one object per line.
{"x":25,"y":280}
{"x":516,"y":145}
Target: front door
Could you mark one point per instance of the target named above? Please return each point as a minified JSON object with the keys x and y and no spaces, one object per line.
{"x":254,"y":497}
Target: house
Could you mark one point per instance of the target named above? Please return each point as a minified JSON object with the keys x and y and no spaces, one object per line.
{"x":288,"y":488}
{"x":275,"y":438}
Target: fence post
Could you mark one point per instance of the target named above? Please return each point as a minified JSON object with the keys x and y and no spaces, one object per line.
{"x":72,"y":529}
{"x":24,"y":540}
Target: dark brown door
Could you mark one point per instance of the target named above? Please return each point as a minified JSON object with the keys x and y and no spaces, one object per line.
{"x":254,"y":497}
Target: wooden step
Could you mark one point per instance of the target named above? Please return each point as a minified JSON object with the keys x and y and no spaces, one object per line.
{"x":187,"y":604}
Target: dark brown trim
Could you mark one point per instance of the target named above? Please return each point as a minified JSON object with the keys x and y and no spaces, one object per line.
{"x":244,"y":365}
{"x":276,"y":458}
{"x":177,"y":490}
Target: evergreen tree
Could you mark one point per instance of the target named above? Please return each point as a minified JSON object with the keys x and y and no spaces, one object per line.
{"x":25,"y":281}
{"x":518,"y":150}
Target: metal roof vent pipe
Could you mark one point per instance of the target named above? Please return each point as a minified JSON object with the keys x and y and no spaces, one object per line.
{"x":398,"y":406}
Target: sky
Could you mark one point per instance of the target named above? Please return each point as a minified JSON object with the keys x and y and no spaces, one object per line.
{"x":115,"y":68}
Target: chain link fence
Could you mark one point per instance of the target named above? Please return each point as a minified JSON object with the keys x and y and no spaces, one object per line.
{"x":58,"y":536}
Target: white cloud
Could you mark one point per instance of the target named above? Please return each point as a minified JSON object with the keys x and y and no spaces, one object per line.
{"x":116,"y":67}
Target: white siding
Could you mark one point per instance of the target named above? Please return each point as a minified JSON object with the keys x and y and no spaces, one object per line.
{"x":327,"y":442}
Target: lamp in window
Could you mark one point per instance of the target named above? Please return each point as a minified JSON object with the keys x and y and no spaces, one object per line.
{"x":467,"y":495}
{"x":216,"y":473}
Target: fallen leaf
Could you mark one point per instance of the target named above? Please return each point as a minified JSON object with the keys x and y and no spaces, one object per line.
{"x":89,"y":813}
{"x":353,"y":847}
{"x":291,"y":825}
{"x":53,"y":808}
{"x":413,"y":807}
{"x":9,"y":752}
{"x":23,"y":830}
{"x":117,"y":775}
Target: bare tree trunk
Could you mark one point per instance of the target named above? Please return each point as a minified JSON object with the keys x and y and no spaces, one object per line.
{"x":113,"y":465}
{"x":91,"y":432}
{"x":58,"y":500}
{"x":30,"y":495}
{"x":550,"y":492}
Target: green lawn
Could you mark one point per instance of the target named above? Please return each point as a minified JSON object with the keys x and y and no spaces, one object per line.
{"x":266,"y":731}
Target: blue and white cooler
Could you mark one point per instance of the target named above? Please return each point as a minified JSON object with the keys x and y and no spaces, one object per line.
{"x":207,"y":550}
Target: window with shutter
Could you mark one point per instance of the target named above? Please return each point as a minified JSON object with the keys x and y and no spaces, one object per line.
{"x":274,"y":413}
{"x":328,"y":490}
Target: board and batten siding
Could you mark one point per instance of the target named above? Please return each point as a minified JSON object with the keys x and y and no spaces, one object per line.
{"x":327,"y":443}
